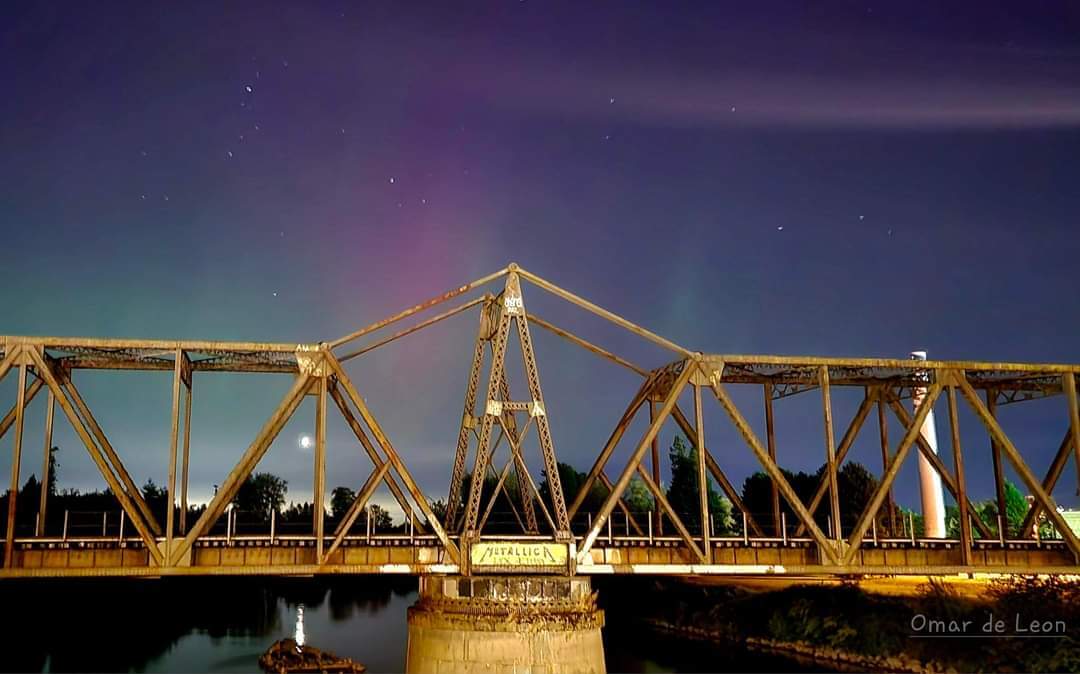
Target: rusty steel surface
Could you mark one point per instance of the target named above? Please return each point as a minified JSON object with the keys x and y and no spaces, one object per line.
{"x":609,"y":539}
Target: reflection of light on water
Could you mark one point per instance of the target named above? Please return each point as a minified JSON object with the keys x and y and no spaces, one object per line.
{"x":299,"y":636}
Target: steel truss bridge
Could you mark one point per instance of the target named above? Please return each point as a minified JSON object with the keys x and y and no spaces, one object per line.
{"x":568,"y":539}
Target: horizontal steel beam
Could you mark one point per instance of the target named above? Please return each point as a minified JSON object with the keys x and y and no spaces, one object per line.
{"x":157,"y":345}
{"x":897,"y":365}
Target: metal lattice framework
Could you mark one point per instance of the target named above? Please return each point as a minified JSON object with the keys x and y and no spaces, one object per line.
{"x":442,"y":544}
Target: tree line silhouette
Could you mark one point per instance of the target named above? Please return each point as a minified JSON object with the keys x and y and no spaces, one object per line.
{"x":263,"y":495}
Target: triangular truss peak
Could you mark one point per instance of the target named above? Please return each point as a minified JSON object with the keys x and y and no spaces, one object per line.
{"x":498,"y":410}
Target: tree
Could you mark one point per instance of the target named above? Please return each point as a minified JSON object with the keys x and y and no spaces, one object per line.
{"x":638,"y":497}
{"x":438,"y":508}
{"x":572,"y":481}
{"x":297,"y":513}
{"x":1016,"y":507}
{"x":380,"y":518}
{"x":156,"y":499}
{"x":261,"y":493}
{"x":722,"y":512}
{"x":340,"y":500}
{"x":152,"y":492}
{"x":31,"y":486}
{"x":909,"y":519}
{"x":952,"y":521}
{"x":684,"y":492}
{"x":54,"y":465}
{"x":855,"y":484}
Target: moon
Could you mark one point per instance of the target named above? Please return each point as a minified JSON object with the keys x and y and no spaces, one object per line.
{"x":306,"y":441}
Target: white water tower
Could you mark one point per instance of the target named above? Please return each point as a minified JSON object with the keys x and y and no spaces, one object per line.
{"x":933,"y":501}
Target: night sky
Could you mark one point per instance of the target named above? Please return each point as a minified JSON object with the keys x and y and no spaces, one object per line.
{"x":857,"y":179}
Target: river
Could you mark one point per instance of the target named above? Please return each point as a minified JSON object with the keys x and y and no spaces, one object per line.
{"x":223,"y":625}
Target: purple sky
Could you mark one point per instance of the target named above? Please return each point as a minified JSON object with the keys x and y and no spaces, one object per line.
{"x":856,"y":179}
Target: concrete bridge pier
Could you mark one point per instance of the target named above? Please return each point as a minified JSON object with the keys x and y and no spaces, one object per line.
{"x":497,"y":624}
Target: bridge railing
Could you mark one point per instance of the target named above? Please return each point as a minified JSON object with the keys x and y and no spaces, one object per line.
{"x":621,"y":526}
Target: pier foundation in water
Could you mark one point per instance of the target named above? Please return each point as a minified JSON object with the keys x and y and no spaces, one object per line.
{"x":505,"y":624}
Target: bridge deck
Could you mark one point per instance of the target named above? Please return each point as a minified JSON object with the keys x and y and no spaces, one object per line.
{"x":403,"y":554}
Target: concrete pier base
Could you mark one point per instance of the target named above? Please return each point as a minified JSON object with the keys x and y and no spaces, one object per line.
{"x":495,"y":624}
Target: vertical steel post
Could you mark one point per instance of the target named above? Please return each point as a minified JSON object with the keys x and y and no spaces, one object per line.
{"x":830,"y":452}
{"x":655,"y":451}
{"x":43,"y":501}
{"x":961,"y":483}
{"x":184,"y":460}
{"x":883,"y":433}
{"x":63,"y":535}
{"x":770,"y":439}
{"x":999,"y":466}
{"x":1069,"y":384}
{"x":16,"y":455}
{"x":703,"y":480}
{"x":120,"y":537}
{"x":170,"y":486}
{"x":320,"y":467}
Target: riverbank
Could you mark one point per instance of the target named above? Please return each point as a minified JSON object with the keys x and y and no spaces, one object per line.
{"x":808,"y":654}
{"x":846,"y":628}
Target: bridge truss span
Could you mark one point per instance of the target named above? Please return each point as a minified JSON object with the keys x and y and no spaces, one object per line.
{"x":567,"y":534}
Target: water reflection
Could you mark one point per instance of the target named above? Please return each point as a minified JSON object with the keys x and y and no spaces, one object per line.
{"x":198,"y":624}
{"x":224,"y":625}
{"x":298,"y":636}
